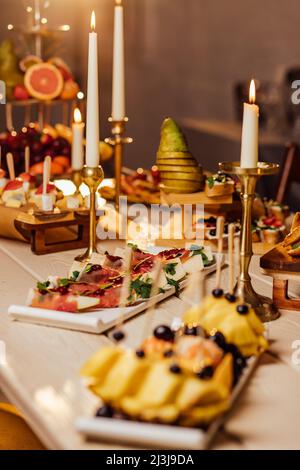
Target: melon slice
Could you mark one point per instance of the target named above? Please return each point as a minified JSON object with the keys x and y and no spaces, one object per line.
{"x":44,"y":81}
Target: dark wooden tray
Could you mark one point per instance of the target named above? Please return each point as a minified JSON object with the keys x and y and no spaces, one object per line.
{"x":279,"y":260}
{"x":69,"y":232}
{"x":283,"y":268}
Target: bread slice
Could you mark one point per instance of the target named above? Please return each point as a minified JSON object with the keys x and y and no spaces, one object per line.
{"x":293,"y":237}
{"x":296,"y":221}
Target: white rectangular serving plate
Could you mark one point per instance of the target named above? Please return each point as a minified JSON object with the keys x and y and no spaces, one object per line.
{"x":96,"y":321}
{"x":158,"y":435}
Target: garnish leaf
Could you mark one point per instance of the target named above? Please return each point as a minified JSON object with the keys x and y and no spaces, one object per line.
{"x":43,"y":286}
{"x":210,"y":182}
{"x":133,"y":246}
{"x":170,"y":269}
{"x":88,"y":268}
{"x":75,"y":275}
{"x":142,"y":287}
{"x":174,"y":283}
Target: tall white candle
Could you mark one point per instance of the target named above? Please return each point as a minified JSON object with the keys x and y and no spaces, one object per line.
{"x":249,"y":148}
{"x":77,"y":141}
{"x":118,"y":87}
{"x":92,"y":111}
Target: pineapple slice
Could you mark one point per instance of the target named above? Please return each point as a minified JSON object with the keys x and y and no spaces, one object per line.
{"x":223,"y":373}
{"x":124,"y":378}
{"x":160,"y":385}
{"x":208,"y":314}
{"x":204,"y":414}
{"x":165,"y":414}
{"x":158,"y":389}
{"x":218,"y":314}
{"x":236,"y":330}
{"x":98,"y":365}
{"x":196,"y":391}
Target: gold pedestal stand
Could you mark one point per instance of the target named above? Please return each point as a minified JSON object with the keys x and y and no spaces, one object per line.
{"x":117,"y":140}
{"x":77,"y":180}
{"x":92,"y":177}
{"x":248,"y":178}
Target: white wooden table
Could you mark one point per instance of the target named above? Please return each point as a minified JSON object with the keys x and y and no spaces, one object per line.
{"x":40,"y":371}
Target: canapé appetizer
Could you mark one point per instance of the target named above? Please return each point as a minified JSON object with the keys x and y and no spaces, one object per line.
{"x":218,"y":185}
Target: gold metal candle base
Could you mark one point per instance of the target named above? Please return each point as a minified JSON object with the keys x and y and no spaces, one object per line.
{"x":117,"y":140}
{"x":248,"y":178}
{"x":92,"y":177}
{"x":77,"y":179}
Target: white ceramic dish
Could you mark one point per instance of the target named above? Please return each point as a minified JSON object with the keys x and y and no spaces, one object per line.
{"x":157,"y":435}
{"x":97,"y":321}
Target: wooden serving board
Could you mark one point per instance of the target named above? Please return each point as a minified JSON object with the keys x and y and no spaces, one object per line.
{"x":278,"y":259}
{"x":283,"y":268}
{"x":46,"y":233}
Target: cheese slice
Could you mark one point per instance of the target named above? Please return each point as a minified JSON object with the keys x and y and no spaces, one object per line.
{"x":193,"y":264}
{"x":13,"y":203}
{"x":85,"y":302}
{"x":180,"y":272}
{"x":76,"y":266}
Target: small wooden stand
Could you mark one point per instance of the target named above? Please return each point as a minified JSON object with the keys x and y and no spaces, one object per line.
{"x":282,"y":268}
{"x":49,"y":233}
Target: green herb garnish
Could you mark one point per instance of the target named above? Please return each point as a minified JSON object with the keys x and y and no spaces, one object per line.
{"x":74,"y":276}
{"x":142,"y":287}
{"x":210,"y":182}
{"x":64,"y":282}
{"x":133,"y":246}
{"x":296,"y":245}
{"x":88,"y":268}
{"x":170,"y":268}
{"x":175,"y":284}
{"x":199,"y":250}
{"x":43,"y":286}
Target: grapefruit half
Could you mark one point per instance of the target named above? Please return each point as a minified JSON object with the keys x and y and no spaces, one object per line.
{"x":44,"y":81}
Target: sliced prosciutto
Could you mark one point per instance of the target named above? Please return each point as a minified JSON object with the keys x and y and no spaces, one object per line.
{"x":96,"y":274}
{"x":113,"y":262}
{"x":99,"y":285}
{"x":168,"y":255}
{"x":61,"y":302}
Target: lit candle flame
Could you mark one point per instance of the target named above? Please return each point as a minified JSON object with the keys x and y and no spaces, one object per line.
{"x":118,"y":2}
{"x":93,"y":21}
{"x":252,"y":92}
{"x":77,"y":116}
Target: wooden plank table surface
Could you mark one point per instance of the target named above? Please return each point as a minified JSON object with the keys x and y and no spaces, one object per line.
{"x":39,"y":372}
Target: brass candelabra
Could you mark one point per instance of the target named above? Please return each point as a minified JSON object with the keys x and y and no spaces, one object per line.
{"x":118,"y":141}
{"x":248,"y":178}
{"x":92,"y":177}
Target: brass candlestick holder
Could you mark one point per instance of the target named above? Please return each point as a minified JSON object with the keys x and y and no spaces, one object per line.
{"x":118,"y":140}
{"x":248,"y":178}
{"x":92,"y":177}
{"x":77,"y":180}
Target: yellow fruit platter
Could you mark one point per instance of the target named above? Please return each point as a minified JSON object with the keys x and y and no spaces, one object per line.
{"x":175,"y":388}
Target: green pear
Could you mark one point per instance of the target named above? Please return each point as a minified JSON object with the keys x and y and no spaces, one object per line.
{"x":172,"y":139}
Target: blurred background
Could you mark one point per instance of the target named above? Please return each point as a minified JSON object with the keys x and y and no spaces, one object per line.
{"x":191,"y":60}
